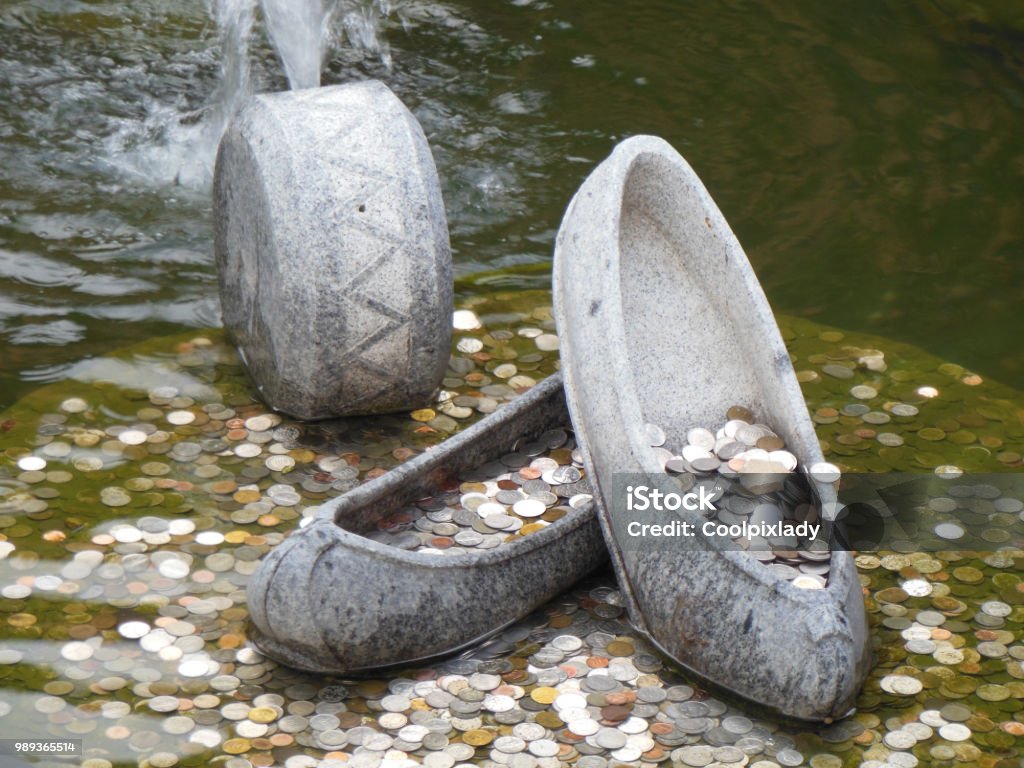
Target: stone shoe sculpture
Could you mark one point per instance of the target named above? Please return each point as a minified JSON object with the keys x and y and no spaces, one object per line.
{"x":330,"y":600}
{"x":663,"y":321}
{"x":332,"y":251}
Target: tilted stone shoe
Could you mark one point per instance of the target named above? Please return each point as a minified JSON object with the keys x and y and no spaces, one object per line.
{"x":328,"y":599}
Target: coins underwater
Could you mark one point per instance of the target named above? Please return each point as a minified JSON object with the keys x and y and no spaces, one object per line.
{"x":128,"y":631}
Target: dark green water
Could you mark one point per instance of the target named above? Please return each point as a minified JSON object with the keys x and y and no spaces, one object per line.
{"x":869,"y":156}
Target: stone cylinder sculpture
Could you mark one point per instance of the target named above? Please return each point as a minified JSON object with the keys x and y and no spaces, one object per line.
{"x":332,"y":251}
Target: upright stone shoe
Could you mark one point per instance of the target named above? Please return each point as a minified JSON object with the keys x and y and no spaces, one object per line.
{"x":662,"y":321}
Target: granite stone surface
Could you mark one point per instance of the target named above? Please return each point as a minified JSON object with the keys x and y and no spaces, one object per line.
{"x":329,"y":600}
{"x":662,"y":320}
{"x":332,"y":251}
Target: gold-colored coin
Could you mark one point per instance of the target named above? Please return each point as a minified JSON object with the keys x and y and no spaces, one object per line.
{"x":549,"y":720}
{"x":948,"y":604}
{"x":966,"y":753}
{"x":891,"y":595}
{"x":236,"y":746}
{"x":993,"y":692}
{"x":738,"y":412}
{"x":962,"y":437}
{"x":544,"y":694}
{"x":262,"y":714}
{"x":477,"y":737}
{"x":962,"y":686}
{"x":771,"y":443}
{"x":968,"y":575}
{"x":224,"y":487}
{"x":423,"y":414}
{"x":302,"y":455}
{"x":372,"y":689}
{"x":619,"y":648}
{"x":561,"y":455}
{"x":556,"y":513}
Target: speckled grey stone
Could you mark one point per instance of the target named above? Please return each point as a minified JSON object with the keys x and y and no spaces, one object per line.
{"x":332,"y":251}
{"x":662,"y":320}
{"x":329,"y":600}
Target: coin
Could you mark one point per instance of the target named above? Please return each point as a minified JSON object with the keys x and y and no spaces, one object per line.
{"x":31,"y":463}
{"x":132,"y":437}
{"x":152,"y":574}
{"x":180,"y":418}
{"x":478,"y":737}
{"x":465,"y":320}
{"x":262,"y":715}
{"x":954,"y":732}
{"x":901,"y":685}
{"x":899,"y":740}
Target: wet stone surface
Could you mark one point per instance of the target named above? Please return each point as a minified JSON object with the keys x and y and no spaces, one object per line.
{"x":134,"y":506}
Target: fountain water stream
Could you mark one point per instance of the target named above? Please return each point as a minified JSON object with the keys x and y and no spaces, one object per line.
{"x":235,"y":21}
{"x":171,"y":147}
{"x":298,"y":32}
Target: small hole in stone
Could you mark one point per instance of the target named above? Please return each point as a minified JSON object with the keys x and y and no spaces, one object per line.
{"x":362,"y":208}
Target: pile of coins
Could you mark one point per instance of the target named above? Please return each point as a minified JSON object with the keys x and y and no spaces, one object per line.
{"x":124,"y":563}
{"x":740,"y":446}
{"x":522,"y":492}
{"x":750,"y":476}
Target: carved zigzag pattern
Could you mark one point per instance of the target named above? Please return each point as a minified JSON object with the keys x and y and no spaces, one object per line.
{"x":393,"y":320}
{"x":344,"y":164}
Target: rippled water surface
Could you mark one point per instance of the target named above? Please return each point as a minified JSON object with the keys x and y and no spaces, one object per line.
{"x":871,"y":163}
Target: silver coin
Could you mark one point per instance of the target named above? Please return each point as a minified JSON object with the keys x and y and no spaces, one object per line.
{"x":697,"y":756}
{"x":543,"y":748}
{"x":567,"y":643}
{"x":900,"y":739}
{"x":529,"y":508}
{"x":509,"y":744}
{"x":731,"y":754}
{"x":737,"y":725}
{"x":955,"y":732}
{"x":789,"y":757}
{"x":610,"y":738}
{"x":701,"y":438}
{"x":655,"y":435}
